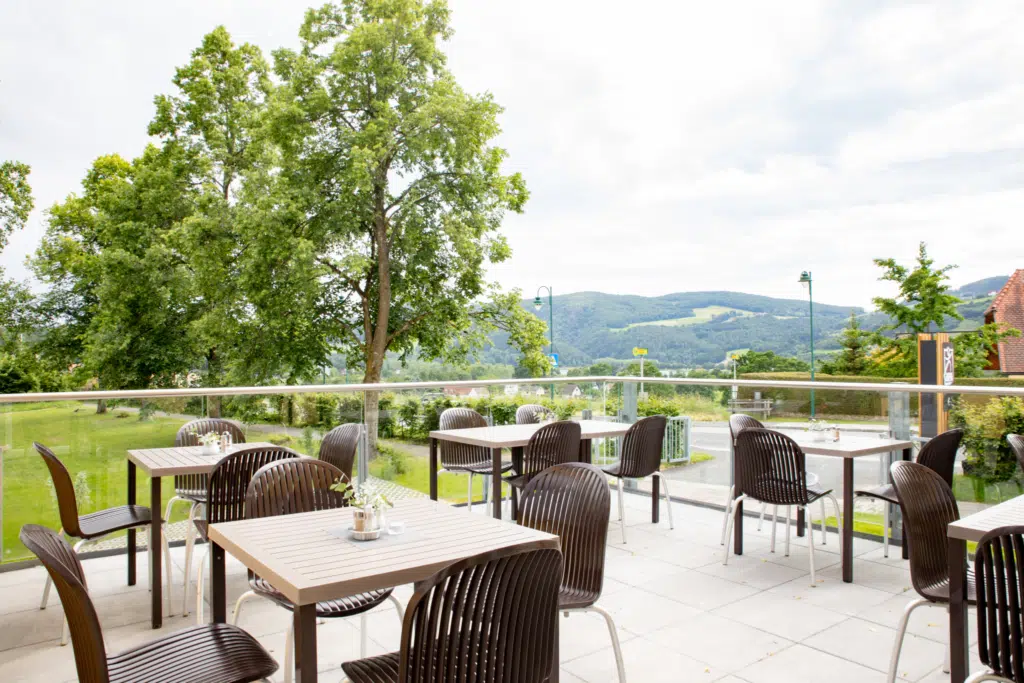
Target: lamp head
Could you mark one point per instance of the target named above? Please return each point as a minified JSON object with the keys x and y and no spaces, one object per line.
{"x":536,"y":302}
{"x":805,"y":279}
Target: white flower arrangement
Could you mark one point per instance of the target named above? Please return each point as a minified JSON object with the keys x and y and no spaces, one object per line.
{"x":210,"y":439}
{"x":365,"y":496}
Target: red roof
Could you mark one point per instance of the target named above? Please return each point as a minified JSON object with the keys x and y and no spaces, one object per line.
{"x":1008,"y":308}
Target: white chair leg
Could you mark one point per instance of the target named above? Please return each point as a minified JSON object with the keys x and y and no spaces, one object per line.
{"x":810,"y":544}
{"x":363,"y":637}
{"x":668,"y":499}
{"x":775,"y":524}
{"x":398,"y":606}
{"x":622,"y":511}
{"x":200,"y":584}
{"x":945,"y":660}
{"x":190,"y":546}
{"x":760,"y":518}
{"x":728,"y":510}
{"x":469,"y":493}
{"x":289,"y":656}
{"x":823,"y":518}
{"x":810,"y":526}
{"x":728,"y":529}
{"x":242,"y":599}
{"x":167,"y":567}
{"x":839,"y":520}
{"x":885,"y":529}
{"x":615,"y":641}
{"x":788,"y":521}
{"x":900,"y":632}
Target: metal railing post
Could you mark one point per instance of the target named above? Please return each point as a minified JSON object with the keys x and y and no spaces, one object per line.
{"x":363,"y":455}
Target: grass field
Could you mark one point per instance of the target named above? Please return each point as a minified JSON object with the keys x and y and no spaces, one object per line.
{"x":700,"y":315}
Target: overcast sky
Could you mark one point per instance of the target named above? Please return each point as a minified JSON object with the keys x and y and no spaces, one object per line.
{"x":668,"y":145}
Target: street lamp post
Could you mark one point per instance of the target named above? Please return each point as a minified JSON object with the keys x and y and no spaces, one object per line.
{"x":807,"y":282}
{"x":537,"y":303}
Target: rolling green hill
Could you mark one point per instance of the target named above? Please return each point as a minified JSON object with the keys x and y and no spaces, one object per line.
{"x":699,"y":328}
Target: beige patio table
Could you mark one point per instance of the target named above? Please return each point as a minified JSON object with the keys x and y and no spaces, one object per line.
{"x":848,"y":447}
{"x":308,"y":557}
{"x":158,"y":463}
{"x":970,"y":529}
{"x":516,"y":437}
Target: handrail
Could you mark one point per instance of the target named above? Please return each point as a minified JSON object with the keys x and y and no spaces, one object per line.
{"x":278,"y":389}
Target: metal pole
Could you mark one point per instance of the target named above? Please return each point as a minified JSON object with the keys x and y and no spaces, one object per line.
{"x":810,"y":299}
{"x":551,"y":332}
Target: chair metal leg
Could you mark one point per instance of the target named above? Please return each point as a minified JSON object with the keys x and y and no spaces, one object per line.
{"x":885,"y":529}
{"x":788,"y":521}
{"x":775,"y":524}
{"x":728,"y":510}
{"x":839,"y":519}
{"x":398,"y":606}
{"x":810,"y":543}
{"x":167,"y":567}
{"x":622,"y":511}
{"x":760,"y":518}
{"x":901,"y":630}
{"x":363,"y":637}
{"x":824,"y":541}
{"x":242,"y":599}
{"x":190,"y":545}
{"x":668,"y":499}
{"x":615,"y":640}
{"x":945,"y":660}
{"x":728,"y":529}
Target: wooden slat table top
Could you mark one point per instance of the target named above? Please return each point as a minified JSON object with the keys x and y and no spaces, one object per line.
{"x":301,"y":557}
{"x":178,"y":460}
{"x":848,"y":446}
{"x":973,"y":527}
{"x":513,"y":436}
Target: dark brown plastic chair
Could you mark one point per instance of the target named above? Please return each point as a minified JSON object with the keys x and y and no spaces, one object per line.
{"x":191,"y":488}
{"x":552,"y":444}
{"x":339,"y":446}
{"x":532,"y":413}
{"x":771,"y":468}
{"x":93,"y":527}
{"x":225,"y":502}
{"x":465,"y":458}
{"x":641,"y":457}
{"x":202,"y":654}
{"x":571,"y":501}
{"x":488,"y":619}
{"x":928,"y":507}
{"x":999,"y":574}
{"x":939,"y":455}
{"x":288,"y":487}
{"x":1016,"y":442}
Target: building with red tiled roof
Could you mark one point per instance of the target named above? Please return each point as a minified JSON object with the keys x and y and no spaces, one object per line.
{"x":1008,"y":308}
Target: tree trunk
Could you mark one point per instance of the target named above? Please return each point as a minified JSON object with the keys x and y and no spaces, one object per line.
{"x":101,"y":407}
{"x":371,"y":407}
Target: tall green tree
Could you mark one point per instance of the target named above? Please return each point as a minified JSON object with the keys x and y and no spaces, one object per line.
{"x":15,"y":198}
{"x":389,"y":198}
{"x":853,"y":359}
{"x":924,"y":297}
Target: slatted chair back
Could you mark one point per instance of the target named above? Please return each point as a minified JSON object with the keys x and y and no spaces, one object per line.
{"x":339,"y":447}
{"x":999,"y":573}
{"x":488,"y":619}
{"x":460,"y":455}
{"x":1016,"y":442}
{"x":532,"y":413}
{"x":770,"y":467}
{"x":572,"y":501}
{"x":552,"y":444}
{"x":739,"y":422}
{"x":229,"y":480}
{"x":67,"y":504}
{"x":939,"y":453}
{"x":66,"y":571}
{"x":928,"y":507}
{"x":188,"y":435}
{"x":293,"y":485}
{"x":642,"y":446}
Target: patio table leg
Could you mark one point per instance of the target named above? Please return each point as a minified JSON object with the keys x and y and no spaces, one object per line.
{"x":801,"y":521}
{"x":156,"y":583}
{"x":737,"y":545}
{"x":496,"y":482}
{"x":304,"y":623}
{"x":433,"y":469}
{"x":847,"y":520}
{"x":131,"y":532}
{"x":959,"y":664}
{"x":218,"y":581}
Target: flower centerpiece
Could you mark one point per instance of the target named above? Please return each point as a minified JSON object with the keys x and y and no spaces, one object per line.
{"x":210,"y":442}
{"x":369,"y":508}
{"x":819,"y":430}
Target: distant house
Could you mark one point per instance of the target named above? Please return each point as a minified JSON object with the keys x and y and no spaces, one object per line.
{"x":511,"y":389}
{"x":570,"y":391}
{"x":1008,"y":308}
{"x":467,"y":392}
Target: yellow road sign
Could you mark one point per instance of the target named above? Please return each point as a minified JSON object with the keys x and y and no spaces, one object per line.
{"x":638,"y":351}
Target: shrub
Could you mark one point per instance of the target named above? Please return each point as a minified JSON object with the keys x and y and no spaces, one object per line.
{"x":985,"y":426}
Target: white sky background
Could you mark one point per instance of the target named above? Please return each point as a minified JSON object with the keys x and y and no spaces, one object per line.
{"x":669,"y":146}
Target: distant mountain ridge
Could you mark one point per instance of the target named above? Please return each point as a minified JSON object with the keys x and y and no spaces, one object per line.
{"x":700,"y":328}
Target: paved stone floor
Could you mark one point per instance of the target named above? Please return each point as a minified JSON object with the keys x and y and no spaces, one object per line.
{"x":681,"y":615}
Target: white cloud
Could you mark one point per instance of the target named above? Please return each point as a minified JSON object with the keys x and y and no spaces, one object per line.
{"x":668,"y":146}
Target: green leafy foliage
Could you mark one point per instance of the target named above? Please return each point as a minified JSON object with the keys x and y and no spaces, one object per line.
{"x":15,"y":198}
{"x":768,"y":361}
{"x":852,"y":359}
{"x":924,"y":294}
{"x":986,"y":425}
